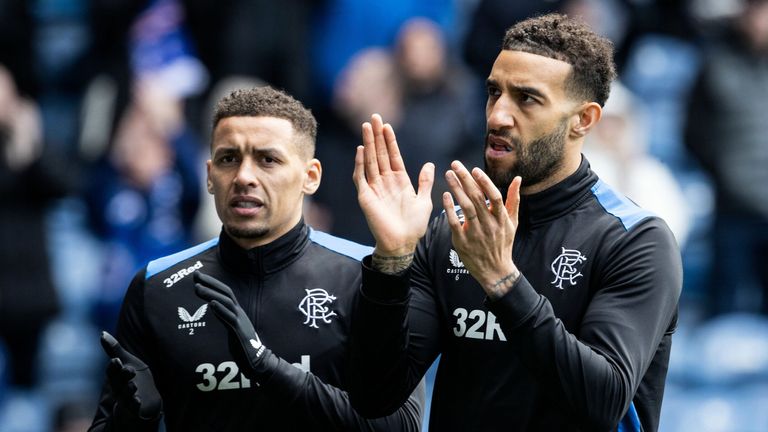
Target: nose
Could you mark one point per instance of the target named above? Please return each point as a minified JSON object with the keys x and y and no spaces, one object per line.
{"x":499,"y":113}
{"x":247,"y":175}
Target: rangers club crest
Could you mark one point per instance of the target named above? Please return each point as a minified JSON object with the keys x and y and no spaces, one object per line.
{"x":313,"y":306}
{"x":565,"y":267}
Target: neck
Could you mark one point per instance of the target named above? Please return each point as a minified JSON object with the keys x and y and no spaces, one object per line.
{"x":569,"y":165}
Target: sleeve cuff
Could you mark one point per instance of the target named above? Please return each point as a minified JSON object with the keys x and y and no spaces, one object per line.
{"x":384,"y":288}
{"x":517,"y":305}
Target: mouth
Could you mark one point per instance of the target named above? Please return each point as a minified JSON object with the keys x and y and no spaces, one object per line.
{"x":497,"y":146}
{"x":246,"y":205}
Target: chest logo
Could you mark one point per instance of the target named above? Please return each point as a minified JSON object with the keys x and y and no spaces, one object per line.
{"x":192,"y":321}
{"x":313,"y":306}
{"x":566,"y":267}
{"x":457,"y":267}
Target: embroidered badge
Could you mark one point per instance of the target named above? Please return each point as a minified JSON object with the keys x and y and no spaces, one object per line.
{"x":565,"y":267}
{"x":313,"y":306}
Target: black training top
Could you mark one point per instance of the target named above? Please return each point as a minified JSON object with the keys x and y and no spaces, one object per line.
{"x":581,"y":342}
{"x":298,"y":292}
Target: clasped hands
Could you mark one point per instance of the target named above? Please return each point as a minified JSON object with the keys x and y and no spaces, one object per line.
{"x":398,"y":215}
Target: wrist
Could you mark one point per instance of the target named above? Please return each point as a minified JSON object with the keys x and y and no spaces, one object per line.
{"x":500,"y":285}
{"x":392,"y":261}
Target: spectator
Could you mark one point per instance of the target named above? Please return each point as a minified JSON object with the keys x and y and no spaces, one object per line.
{"x":727,"y":131}
{"x":28,"y":182}
{"x":144,"y":194}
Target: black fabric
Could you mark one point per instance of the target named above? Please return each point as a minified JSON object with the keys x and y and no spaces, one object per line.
{"x":563,"y":350}
{"x":165,"y":323}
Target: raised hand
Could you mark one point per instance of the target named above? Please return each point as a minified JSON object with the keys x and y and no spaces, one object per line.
{"x":131,"y":381}
{"x":397,"y":215}
{"x":485,"y":238}
{"x":224,"y":304}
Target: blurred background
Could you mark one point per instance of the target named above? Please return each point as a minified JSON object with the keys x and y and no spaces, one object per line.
{"x":105,"y":112}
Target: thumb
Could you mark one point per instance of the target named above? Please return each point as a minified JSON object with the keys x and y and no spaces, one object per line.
{"x":114,"y":350}
{"x":112,"y":347}
{"x":512,"y":203}
{"x":426,"y":180}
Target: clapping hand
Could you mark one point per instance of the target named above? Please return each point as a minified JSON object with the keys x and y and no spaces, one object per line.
{"x":224,"y":304}
{"x":397,"y":215}
{"x":485,"y":238}
{"x":131,"y":381}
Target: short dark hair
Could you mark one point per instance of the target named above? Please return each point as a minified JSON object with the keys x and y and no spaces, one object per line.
{"x":562,"y":38}
{"x":267,"y":101}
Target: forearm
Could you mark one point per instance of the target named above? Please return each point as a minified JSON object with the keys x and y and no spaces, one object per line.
{"x":594,"y":387}
{"x":329,"y":407}
{"x":392,"y":345}
{"x":597,"y":363}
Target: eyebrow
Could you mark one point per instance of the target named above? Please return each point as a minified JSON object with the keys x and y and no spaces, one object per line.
{"x":518,"y":88}
{"x":235,"y":149}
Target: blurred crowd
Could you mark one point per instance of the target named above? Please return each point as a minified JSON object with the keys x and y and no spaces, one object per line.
{"x":105,"y":123}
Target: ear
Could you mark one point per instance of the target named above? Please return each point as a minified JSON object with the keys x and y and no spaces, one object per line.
{"x":209,"y":184}
{"x":314,"y":171}
{"x":585,"y":118}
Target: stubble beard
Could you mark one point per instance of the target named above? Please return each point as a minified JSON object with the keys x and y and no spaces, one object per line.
{"x":246,"y":233}
{"x":534,"y":162}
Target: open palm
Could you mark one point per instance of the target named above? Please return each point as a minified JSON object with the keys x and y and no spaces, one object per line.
{"x":397,"y":215}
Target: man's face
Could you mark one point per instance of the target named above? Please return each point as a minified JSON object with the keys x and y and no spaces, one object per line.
{"x":258,"y":177}
{"x":527,"y":116}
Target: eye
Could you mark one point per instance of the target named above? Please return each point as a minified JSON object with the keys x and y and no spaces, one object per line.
{"x":268,"y":160}
{"x":226,"y":159}
{"x":527,"y":99}
{"x":493,"y":91}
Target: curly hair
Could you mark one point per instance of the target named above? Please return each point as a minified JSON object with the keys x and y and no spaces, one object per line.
{"x":572,"y":41}
{"x":266,"y":101}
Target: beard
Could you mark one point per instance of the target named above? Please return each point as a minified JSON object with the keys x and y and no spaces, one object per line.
{"x":246,"y":233}
{"x":534,"y":161}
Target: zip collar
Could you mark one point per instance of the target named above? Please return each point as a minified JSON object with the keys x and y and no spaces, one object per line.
{"x":267,"y":259}
{"x":559,"y":199}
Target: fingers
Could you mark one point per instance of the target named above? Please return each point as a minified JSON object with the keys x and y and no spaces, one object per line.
{"x":358,"y":176}
{"x":489,"y":190}
{"x":114,"y":350}
{"x":471,"y":190}
{"x":450,"y":213}
{"x":513,"y":199}
{"x":212,"y":282}
{"x":460,"y":196}
{"x":225,"y":314}
{"x":395,"y":159}
{"x":119,"y":372}
{"x":370,"y":162}
{"x":210,"y":295}
{"x":382,"y":152}
{"x":110,"y":345}
{"x":220,"y":297}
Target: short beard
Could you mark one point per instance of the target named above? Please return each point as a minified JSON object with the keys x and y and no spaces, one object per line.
{"x":247,"y":233}
{"x":535,"y":162}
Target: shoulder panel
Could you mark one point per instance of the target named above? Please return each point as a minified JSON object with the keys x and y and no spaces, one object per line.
{"x":160,"y":264}
{"x":628,"y":213}
{"x":340,"y":245}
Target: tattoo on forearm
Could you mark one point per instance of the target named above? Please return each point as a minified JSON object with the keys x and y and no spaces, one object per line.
{"x":391,"y":264}
{"x":503,"y":285}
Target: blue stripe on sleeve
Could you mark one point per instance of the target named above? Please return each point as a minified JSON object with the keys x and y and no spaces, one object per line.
{"x":618,"y":205}
{"x":160,"y":264}
{"x":630,"y":422}
{"x":340,"y":245}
